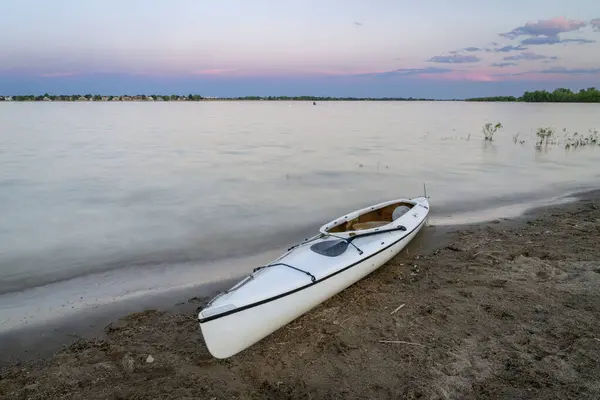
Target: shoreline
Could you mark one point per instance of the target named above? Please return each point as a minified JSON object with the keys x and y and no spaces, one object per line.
{"x":468,"y":289}
{"x":41,"y":338}
{"x":450,"y":213}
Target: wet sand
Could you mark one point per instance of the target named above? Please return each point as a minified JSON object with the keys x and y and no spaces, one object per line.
{"x":508,"y":309}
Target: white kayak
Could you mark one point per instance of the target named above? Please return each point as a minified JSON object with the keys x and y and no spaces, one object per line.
{"x":345,"y":251}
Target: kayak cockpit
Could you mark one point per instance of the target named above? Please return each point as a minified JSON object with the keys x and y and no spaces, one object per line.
{"x":370,"y":218}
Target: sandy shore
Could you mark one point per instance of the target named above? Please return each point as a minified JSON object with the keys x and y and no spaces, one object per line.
{"x":509,"y":309}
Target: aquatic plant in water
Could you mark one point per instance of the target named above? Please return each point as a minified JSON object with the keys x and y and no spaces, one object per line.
{"x":489,"y":129}
{"x":578,"y":140}
{"x":516,"y":139}
{"x":545,"y":136}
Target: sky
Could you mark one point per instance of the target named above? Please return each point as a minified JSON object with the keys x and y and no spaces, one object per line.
{"x":376,"y":48}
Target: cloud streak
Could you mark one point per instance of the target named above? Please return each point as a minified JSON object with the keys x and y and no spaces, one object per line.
{"x":539,"y":40}
{"x":413,"y":71}
{"x":504,"y":64}
{"x":570,"y":71}
{"x":509,"y":48}
{"x":455,"y":59}
{"x":438,"y":74}
{"x":529,"y":56}
{"x":578,"y":41}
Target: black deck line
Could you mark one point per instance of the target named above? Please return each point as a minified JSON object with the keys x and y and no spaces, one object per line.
{"x":258,"y":303}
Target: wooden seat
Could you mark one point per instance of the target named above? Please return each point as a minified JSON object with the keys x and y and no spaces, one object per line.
{"x":368,"y":225}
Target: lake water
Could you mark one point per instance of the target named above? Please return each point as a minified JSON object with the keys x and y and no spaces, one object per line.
{"x":105,"y":200}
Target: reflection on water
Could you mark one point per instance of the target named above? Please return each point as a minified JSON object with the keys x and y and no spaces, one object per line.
{"x":95,"y":187}
{"x":489,"y":147}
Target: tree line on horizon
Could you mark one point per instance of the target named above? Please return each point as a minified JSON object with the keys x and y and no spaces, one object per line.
{"x":560,"y":95}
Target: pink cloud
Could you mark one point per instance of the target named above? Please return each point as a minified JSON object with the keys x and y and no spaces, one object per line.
{"x":558,"y":24}
{"x":345,"y":72}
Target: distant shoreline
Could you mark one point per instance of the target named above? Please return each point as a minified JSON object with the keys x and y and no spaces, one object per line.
{"x":560,"y":95}
{"x":151,"y":98}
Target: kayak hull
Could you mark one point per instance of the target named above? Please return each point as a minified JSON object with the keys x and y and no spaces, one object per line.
{"x":232,"y":331}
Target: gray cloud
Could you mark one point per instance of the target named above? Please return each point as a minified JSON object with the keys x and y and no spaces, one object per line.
{"x":538,"y":40}
{"x":549,"y":28}
{"x":509,"y":48}
{"x":595,"y":23}
{"x":578,"y":41}
{"x":547,"y":32}
{"x":529,"y":56}
{"x":455,"y":59}
{"x":468,"y":49}
{"x":472,"y":49}
{"x":504,"y":64}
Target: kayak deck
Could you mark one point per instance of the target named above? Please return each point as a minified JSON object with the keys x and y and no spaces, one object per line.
{"x":302,"y":266}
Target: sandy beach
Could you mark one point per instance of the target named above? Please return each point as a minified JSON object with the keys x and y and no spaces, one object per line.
{"x":506,"y":309}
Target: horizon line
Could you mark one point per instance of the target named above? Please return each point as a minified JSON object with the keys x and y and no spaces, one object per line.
{"x":196,"y":97}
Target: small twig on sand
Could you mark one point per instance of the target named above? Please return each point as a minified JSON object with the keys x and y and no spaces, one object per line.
{"x":400,"y":342}
{"x":397,"y":308}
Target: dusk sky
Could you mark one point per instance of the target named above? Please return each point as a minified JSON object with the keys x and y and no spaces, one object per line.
{"x":437,"y":48}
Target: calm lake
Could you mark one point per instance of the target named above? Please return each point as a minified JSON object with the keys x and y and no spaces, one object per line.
{"x":123,"y":197}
